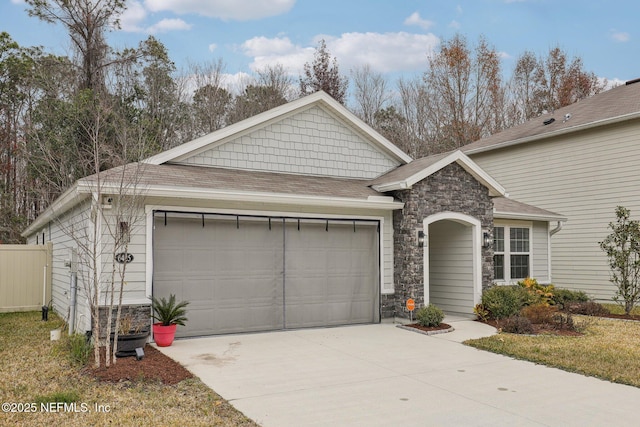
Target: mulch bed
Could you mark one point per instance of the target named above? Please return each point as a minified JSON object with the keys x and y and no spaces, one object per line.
{"x":440,"y":327}
{"x":154,"y":366}
{"x":623,"y":316}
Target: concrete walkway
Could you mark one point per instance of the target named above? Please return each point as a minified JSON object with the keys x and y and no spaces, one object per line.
{"x":381,"y":375}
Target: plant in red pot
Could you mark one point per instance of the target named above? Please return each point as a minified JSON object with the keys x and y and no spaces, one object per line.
{"x":168,"y":315}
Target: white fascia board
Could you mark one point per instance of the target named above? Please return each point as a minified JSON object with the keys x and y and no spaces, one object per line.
{"x":70,"y":198}
{"x":495,"y":189}
{"x":527,"y":217}
{"x":237,"y":129}
{"x":391,"y":186}
{"x":555,"y":133}
{"x":276,"y":198}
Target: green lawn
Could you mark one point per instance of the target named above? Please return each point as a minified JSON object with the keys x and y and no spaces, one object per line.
{"x":609,"y":349}
{"x":36,"y":370}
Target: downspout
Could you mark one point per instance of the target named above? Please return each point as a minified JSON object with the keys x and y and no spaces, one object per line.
{"x":73,"y":267}
{"x":555,"y":230}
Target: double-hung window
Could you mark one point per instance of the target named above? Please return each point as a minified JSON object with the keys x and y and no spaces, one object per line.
{"x":512,"y":252}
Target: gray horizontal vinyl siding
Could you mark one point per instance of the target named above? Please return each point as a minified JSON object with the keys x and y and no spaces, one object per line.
{"x":582,"y":176}
{"x":540,"y":252}
{"x":65,"y":233}
{"x":135,"y":272}
{"x":311,"y":142}
{"x":451,"y":267}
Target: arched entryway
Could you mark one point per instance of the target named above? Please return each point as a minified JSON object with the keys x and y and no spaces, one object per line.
{"x":452,"y":262}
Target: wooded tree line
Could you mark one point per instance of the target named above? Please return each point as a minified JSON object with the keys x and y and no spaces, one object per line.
{"x":65,"y":117}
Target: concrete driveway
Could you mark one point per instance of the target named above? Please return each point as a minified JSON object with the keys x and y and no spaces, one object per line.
{"x":381,"y":375}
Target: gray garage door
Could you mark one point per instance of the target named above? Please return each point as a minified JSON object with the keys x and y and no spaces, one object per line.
{"x":243,"y":274}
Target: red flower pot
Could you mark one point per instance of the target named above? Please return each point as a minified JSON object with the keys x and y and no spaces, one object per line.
{"x":163,"y":335}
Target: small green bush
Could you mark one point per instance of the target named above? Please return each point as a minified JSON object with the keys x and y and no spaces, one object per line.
{"x":516,"y":325}
{"x":79,"y":348}
{"x":563,"y":296}
{"x":505,"y":301}
{"x":429,"y":315}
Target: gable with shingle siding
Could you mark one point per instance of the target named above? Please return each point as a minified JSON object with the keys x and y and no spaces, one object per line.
{"x":311,"y":142}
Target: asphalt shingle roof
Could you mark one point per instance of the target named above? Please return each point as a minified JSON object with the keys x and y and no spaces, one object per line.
{"x":209,"y":178}
{"x":618,"y":102}
{"x":503,"y":205}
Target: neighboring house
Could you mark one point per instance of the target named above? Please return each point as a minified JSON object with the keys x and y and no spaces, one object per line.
{"x":302,"y":216}
{"x":582,"y":160}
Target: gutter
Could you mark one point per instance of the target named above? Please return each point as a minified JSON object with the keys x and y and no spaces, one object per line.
{"x":375,"y":202}
{"x":555,"y":230}
{"x":529,"y":217}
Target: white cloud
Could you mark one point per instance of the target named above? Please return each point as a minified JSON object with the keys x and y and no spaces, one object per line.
{"x":610,"y":83}
{"x":415,"y":19}
{"x":236,"y":10}
{"x":386,"y":52}
{"x":620,"y":36}
{"x":212,"y":47}
{"x":278,"y":50}
{"x":165,"y":25}
{"x":132,"y":20}
{"x":454,"y":24}
{"x":132,"y":17}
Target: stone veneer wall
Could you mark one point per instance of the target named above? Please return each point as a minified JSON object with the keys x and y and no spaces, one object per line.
{"x":451,"y":189}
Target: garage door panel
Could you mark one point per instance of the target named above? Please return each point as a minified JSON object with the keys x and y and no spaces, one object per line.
{"x":332,"y":275}
{"x":232,"y":276}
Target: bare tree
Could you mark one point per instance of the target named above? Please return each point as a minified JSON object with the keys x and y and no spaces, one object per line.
{"x":371,"y":93}
{"x":546,"y":84}
{"x":467,"y":87}
{"x":211,"y":100}
{"x":323,"y":74}
{"x":269,"y":88}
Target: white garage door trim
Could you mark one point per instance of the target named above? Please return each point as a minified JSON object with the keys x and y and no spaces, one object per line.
{"x":308,"y":296}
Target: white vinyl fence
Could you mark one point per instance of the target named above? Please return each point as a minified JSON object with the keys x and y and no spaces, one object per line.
{"x":25,"y":277}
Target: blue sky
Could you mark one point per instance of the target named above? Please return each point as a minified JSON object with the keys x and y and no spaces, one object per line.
{"x":393,"y":36}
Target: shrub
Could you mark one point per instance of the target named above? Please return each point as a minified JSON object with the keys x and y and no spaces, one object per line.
{"x":504,"y":301}
{"x":539,"y":314}
{"x":563,"y":296}
{"x":622,"y":247}
{"x":79,"y":348}
{"x":563,"y":322}
{"x":481,"y":311}
{"x":588,"y":308}
{"x":516,"y":325}
{"x":429,"y":315}
{"x":541,"y":294}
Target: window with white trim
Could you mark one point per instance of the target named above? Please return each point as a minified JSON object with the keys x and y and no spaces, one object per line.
{"x":512,"y":257}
